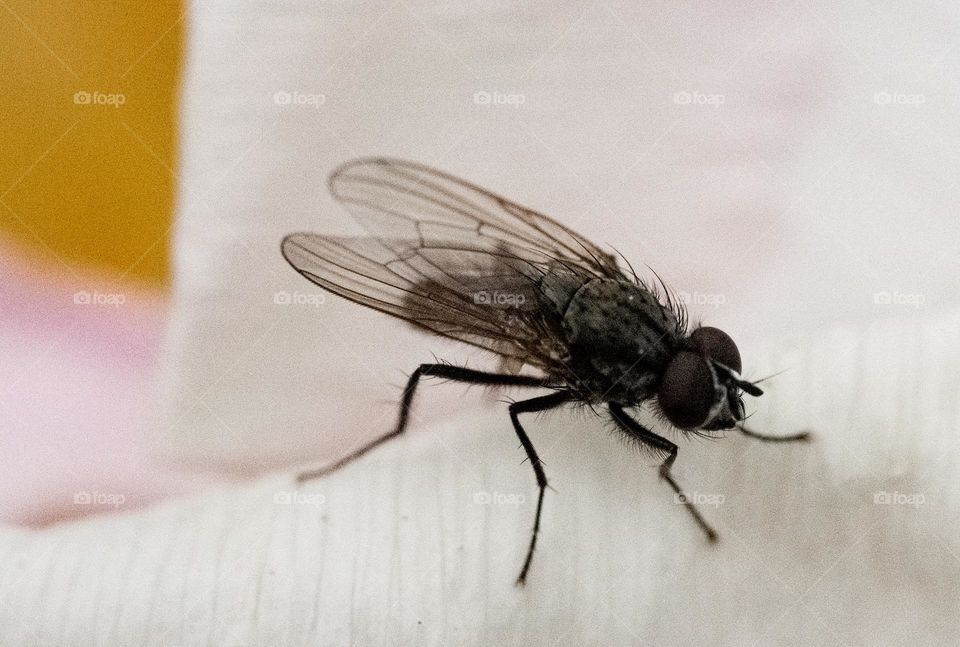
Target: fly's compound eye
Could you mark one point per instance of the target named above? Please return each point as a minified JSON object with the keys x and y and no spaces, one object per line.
{"x":718,"y":346}
{"x":687,"y":391}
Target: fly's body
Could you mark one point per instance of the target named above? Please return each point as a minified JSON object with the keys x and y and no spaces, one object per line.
{"x":465,"y":263}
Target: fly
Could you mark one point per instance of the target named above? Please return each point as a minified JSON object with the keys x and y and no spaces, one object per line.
{"x":465,"y":263}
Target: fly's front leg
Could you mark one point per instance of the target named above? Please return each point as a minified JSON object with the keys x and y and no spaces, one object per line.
{"x":634,"y":429}
{"x":453,"y":373}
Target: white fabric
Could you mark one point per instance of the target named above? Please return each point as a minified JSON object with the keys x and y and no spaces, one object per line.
{"x":850,"y":540}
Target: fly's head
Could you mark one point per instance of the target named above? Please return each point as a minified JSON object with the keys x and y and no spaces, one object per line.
{"x":702,"y":387}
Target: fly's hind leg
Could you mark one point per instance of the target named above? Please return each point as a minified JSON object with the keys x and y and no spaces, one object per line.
{"x":446,"y":371}
{"x":634,"y":429}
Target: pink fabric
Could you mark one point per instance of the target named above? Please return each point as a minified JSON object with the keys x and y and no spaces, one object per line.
{"x":76,"y":391}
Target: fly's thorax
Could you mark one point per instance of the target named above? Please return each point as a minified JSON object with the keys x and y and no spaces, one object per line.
{"x":620,"y":318}
{"x":557,"y":289}
{"x":621,"y":338}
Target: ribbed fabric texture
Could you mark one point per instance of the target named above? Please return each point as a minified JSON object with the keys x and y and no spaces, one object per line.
{"x":850,"y":540}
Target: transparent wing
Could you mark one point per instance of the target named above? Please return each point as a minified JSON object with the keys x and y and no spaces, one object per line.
{"x":401,"y":200}
{"x":450,"y":257}
{"x":480,"y":294}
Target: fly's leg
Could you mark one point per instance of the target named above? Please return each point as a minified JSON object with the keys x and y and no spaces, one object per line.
{"x":453,"y":373}
{"x":803,"y":436}
{"x":634,"y":429}
{"x":529,"y":406}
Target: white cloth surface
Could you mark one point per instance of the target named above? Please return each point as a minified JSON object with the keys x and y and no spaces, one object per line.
{"x":784,"y":165}
{"x":850,"y":540}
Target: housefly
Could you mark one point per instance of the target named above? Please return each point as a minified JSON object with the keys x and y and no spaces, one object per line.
{"x":465,"y":263}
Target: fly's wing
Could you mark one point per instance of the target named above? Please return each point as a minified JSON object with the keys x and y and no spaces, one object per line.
{"x":401,"y":200}
{"x":473,"y":292}
{"x":450,"y":257}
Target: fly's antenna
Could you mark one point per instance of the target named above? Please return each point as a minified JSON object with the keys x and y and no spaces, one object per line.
{"x":733,"y":376}
{"x":771,"y":376}
{"x":749,"y":387}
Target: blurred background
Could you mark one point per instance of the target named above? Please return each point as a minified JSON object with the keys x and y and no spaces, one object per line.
{"x":88,"y":146}
{"x":87,"y":179}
